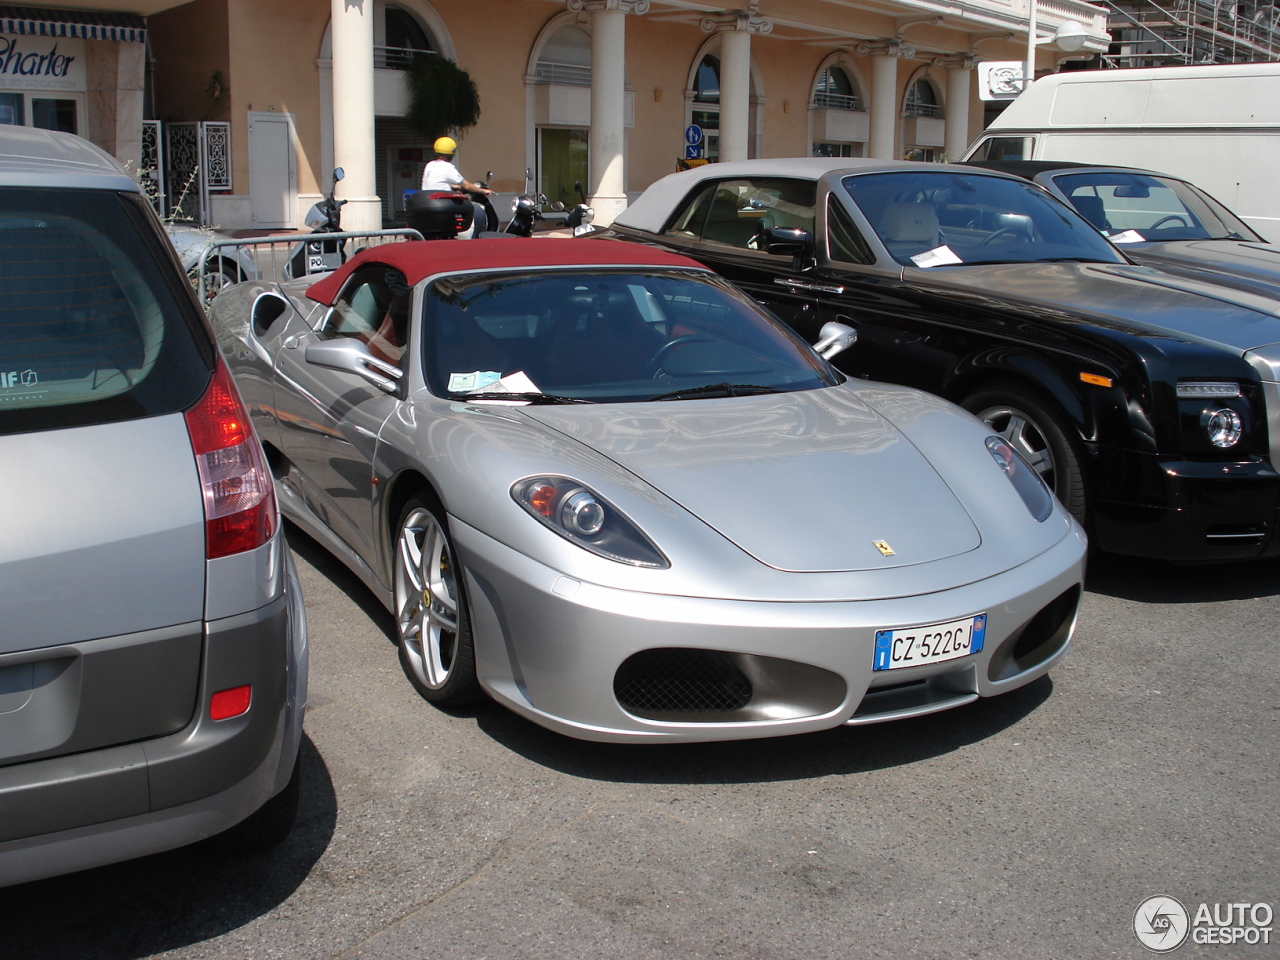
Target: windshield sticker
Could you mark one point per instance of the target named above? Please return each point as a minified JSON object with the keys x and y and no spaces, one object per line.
{"x":1127,"y":236}
{"x":476,"y":380}
{"x":937,"y":257}
{"x":517,"y":382}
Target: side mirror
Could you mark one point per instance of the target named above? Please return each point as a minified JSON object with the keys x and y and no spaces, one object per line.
{"x":352,"y":356}
{"x":338,"y":174}
{"x":833,"y":338}
{"x":786,"y":241}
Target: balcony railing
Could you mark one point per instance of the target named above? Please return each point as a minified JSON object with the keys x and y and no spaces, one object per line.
{"x":395,"y":58}
{"x":840,"y":101}
{"x":922,"y":110}
{"x":566,"y":74}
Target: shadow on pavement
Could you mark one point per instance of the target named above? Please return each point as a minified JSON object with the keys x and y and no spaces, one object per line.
{"x":333,"y":570}
{"x":169,"y":900}
{"x":840,"y":751}
{"x":1155,"y":581}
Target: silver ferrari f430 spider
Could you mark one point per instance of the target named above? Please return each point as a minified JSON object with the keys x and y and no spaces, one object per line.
{"x":597,"y":483}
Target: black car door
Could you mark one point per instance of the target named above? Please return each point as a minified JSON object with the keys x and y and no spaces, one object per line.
{"x":720,"y":225}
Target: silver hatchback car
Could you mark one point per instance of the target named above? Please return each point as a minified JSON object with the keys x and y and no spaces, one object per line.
{"x":153,"y":645}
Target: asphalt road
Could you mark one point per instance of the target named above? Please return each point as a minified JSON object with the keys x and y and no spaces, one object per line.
{"x":1029,"y":826}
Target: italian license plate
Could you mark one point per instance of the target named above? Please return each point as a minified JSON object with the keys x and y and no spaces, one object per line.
{"x":933,"y":643}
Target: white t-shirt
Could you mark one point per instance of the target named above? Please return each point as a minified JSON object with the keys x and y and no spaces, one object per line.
{"x":441,"y":176}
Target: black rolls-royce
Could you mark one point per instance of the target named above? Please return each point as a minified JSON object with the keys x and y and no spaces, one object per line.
{"x":1148,"y":402}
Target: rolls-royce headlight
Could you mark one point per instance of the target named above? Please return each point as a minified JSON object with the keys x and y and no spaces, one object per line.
{"x":1025,"y":480}
{"x":1208,"y":389}
{"x":1223,"y":427}
{"x":582,"y":516}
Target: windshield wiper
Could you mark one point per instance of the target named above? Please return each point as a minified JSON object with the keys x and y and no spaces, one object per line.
{"x":534,"y":397}
{"x":1074,"y":259}
{"x":716,"y":390}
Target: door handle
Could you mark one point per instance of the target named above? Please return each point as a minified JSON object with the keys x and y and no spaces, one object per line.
{"x":807,"y":285}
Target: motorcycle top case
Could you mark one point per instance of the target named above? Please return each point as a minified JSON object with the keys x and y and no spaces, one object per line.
{"x":439,"y":214}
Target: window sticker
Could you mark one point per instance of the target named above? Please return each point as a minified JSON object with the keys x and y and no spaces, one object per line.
{"x":490,"y":381}
{"x":937,"y":257}
{"x":1127,"y":236}
{"x":476,"y":380}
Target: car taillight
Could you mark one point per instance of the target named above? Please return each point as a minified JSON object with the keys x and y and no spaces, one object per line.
{"x":239,"y":499}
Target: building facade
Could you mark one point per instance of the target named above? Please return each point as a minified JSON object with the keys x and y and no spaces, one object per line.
{"x":260,"y":99}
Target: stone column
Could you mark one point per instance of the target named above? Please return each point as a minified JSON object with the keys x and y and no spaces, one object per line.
{"x":351,"y":31}
{"x":735,"y":78}
{"x":959,"y":78}
{"x":884,"y":94}
{"x":606,"y":145}
{"x":115,"y":76}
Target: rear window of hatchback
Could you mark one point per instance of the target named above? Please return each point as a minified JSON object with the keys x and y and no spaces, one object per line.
{"x":95,"y":326}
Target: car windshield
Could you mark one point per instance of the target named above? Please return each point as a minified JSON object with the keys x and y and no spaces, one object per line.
{"x":939,"y":219}
{"x":607,"y":336}
{"x":1133,"y":207}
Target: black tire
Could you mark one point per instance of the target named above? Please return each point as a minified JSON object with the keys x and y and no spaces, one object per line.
{"x":433,"y":624}
{"x":1044,"y":437}
{"x":269,"y":825}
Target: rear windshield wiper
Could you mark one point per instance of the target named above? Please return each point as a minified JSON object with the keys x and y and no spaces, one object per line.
{"x":534,"y":398}
{"x":716,"y":390}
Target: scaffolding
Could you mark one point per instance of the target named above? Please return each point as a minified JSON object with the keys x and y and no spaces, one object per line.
{"x":1166,"y":33}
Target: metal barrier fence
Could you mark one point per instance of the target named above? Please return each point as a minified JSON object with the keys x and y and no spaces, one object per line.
{"x":284,"y":256}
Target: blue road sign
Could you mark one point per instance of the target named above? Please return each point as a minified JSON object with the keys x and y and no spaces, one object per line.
{"x":693,"y":152}
{"x":693,"y":134}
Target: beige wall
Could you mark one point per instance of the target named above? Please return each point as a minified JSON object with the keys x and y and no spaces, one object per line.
{"x":188,"y":44}
{"x":275,"y":47}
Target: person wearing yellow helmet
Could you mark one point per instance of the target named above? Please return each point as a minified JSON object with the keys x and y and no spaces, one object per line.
{"x":441,"y":176}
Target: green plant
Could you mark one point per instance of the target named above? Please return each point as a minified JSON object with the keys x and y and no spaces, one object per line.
{"x":442,"y":96}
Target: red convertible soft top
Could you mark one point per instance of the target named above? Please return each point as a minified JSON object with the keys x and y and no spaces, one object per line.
{"x":419,"y":259}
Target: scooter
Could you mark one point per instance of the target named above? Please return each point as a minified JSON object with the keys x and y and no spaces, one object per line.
{"x":318,"y":256}
{"x":580,"y":217}
{"x":525,"y":210}
{"x":482,"y":199}
{"x":447,"y":215}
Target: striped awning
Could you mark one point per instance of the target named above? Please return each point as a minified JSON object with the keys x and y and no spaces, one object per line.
{"x":87,"y":25}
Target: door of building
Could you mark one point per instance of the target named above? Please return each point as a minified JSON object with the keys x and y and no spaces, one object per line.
{"x":273,"y":174}
{"x":563,"y":160}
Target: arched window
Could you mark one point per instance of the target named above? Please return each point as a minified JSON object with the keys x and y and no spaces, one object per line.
{"x":835,"y":88}
{"x":402,"y":37}
{"x":923,"y":129}
{"x":706,"y":105}
{"x":922,"y":100}
{"x":563,"y":135}
{"x":566,"y":58}
{"x":840,"y":122}
{"x":707,"y":80}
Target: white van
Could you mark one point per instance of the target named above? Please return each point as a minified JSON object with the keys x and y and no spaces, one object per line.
{"x":1216,"y":125}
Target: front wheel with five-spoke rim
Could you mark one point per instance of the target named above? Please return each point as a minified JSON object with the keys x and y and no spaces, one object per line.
{"x":433,"y":627}
{"x":1040,"y":434}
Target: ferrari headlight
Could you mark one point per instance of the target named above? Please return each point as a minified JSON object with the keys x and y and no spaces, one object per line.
{"x":1025,"y":480}
{"x":582,"y":516}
